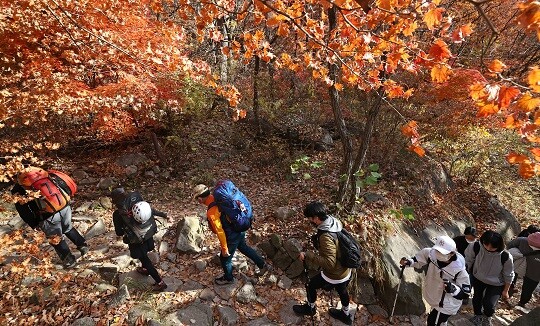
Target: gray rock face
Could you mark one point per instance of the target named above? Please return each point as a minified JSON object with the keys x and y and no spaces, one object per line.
{"x":227,"y":316}
{"x":246,"y":293}
{"x":287,"y":315}
{"x":84,"y":321}
{"x":194,"y":314}
{"x":131,"y":159}
{"x":119,"y":297}
{"x":143,"y":312}
{"x":97,"y":229}
{"x":530,"y":319}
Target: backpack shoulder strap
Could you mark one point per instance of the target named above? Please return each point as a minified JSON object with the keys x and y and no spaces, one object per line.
{"x":504,"y":257}
{"x":476,"y":247}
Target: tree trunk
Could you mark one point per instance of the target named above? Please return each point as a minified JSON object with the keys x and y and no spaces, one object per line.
{"x":362,"y":150}
{"x":157,"y":148}
{"x":339,"y":121}
{"x":256,"y":103}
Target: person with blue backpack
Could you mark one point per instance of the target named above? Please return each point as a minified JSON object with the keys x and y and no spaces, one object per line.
{"x":229,"y":215}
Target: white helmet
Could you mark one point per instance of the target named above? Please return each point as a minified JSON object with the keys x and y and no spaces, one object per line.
{"x":141,"y":211}
{"x":198,"y":190}
{"x":444,"y":244}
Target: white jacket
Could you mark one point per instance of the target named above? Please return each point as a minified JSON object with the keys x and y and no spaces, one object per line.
{"x":433,"y":288}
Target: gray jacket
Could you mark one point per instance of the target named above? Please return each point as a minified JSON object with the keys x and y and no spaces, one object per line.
{"x":487,"y":266}
{"x":533,"y":261}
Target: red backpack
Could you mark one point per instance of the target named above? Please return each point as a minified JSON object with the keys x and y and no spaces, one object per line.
{"x":56,"y":188}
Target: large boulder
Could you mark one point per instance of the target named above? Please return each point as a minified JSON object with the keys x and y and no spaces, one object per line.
{"x":530,"y":319}
{"x":190,"y":235}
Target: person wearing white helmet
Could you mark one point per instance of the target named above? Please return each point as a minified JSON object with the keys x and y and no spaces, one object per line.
{"x":134,"y":220}
{"x":447,"y":281}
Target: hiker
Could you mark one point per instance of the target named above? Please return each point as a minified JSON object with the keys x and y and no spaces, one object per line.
{"x":529,"y":230}
{"x":493,"y":270}
{"x":446,"y":283}
{"x":462,"y":241}
{"x":332,"y":274}
{"x":134,"y":220}
{"x":230,"y":238}
{"x":51,"y":213}
{"x":529,"y":247}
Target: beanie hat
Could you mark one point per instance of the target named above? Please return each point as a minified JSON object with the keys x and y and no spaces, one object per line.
{"x":534,"y":240}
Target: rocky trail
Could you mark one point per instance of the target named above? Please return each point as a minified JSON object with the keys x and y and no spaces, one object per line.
{"x":188,"y":268}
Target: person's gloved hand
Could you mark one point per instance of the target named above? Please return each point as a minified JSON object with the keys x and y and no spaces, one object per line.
{"x":450,"y":287}
{"x":406,"y":261}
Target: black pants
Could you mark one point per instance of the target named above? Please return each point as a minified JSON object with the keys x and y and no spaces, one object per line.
{"x":140,"y":251}
{"x":318,"y":282}
{"x":486,"y":297}
{"x":527,"y":290}
{"x":435,"y":318}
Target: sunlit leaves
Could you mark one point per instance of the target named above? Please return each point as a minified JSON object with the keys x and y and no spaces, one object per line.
{"x":410,"y":129}
{"x":439,"y":50}
{"x":433,"y":17}
{"x":529,"y":17}
{"x":440,"y":73}
{"x":496,"y":66}
{"x":533,"y":78}
{"x":459,"y":34}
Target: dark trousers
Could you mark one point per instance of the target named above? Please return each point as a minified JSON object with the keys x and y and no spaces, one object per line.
{"x":527,"y":290}
{"x":435,"y":318}
{"x":486,"y":297}
{"x":237,"y":240}
{"x":318,"y":282}
{"x":140,"y":251}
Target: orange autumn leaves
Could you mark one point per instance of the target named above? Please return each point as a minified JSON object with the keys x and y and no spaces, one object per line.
{"x":521,"y":111}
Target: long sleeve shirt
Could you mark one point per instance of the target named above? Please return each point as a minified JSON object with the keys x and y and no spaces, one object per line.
{"x":214,"y":221}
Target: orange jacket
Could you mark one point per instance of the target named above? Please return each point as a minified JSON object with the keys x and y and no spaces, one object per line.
{"x":214,"y":221}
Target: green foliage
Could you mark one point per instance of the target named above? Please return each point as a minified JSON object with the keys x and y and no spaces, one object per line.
{"x":303,"y":164}
{"x":406,"y":212}
{"x":368,"y":179}
{"x":198,"y":97}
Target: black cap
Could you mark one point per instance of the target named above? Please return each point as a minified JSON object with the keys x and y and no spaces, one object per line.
{"x":470,"y":231}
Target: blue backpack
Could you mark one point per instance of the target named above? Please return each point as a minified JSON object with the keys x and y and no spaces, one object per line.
{"x":234,"y":205}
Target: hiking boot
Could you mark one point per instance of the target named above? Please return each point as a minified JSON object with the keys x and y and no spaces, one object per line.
{"x":304,"y":309}
{"x":476,"y":320}
{"x":69,"y":261}
{"x":486,"y":321}
{"x":142,"y":271}
{"x":266,"y":268}
{"x":84,"y":250}
{"x":158,"y":287}
{"x":222,"y":280}
{"x":340,"y":315}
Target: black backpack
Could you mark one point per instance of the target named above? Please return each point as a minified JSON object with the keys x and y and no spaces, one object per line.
{"x":349,"y":248}
{"x":137,"y":232}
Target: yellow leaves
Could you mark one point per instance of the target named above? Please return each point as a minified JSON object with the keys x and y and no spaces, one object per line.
{"x":533,"y":78}
{"x":410,"y":28}
{"x":496,"y":66}
{"x":433,"y":18}
{"x":529,"y":17}
{"x":440,"y":73}
{"x":487,"y":110}
{"x":528,"y":103}
{"x":439,"y":50}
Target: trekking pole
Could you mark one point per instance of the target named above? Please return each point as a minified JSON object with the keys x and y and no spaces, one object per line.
{"x":397,"y":292}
